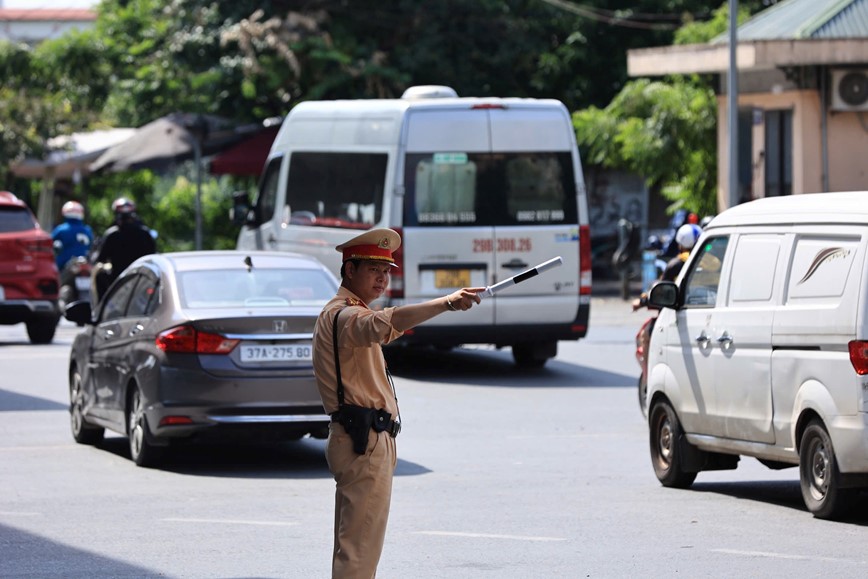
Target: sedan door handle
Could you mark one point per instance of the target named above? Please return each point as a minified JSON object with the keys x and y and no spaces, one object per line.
{"x":702,"y":339}
{"x":136,"y":329}
{"x":725,"y":339}
{"x":108,"y":334}
{"x":271,"y":239}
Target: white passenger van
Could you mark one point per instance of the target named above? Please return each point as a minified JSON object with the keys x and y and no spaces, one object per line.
{"x":480,"y":189}
{"x":762,"y":348}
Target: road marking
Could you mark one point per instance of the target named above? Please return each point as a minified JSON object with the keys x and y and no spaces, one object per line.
{"x":488,"y":536}
{"x":231,"y":522}
{"x":780,"y":556}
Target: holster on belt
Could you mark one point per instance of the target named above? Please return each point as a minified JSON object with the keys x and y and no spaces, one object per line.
{"x":358,"y":422}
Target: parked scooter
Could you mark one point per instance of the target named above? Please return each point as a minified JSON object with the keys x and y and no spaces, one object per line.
{"x":74,"y":282}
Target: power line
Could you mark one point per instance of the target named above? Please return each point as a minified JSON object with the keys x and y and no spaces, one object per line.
{"x":639,"y":21}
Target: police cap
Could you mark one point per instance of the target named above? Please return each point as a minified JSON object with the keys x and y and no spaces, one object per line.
{"x":376,"y":244}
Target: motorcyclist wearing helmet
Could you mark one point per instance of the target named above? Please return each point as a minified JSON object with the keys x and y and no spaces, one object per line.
{"x":73,"y":237}
{"x":686,"y":238}
{"x":123,"y":243}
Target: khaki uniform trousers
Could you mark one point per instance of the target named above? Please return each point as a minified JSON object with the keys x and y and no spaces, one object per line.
{"x":362,"y":497}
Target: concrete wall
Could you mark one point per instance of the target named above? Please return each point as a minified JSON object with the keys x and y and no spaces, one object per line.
{"x":847,"y":137}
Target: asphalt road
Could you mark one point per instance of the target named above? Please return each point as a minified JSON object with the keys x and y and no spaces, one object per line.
{"x":502,"y":473}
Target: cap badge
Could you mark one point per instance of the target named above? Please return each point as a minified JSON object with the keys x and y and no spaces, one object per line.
{"x":384,"y":243}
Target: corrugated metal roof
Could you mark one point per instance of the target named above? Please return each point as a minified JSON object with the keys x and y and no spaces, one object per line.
{"x":806,"y":20}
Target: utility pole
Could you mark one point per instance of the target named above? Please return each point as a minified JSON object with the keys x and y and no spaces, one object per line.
{"x":732,"y":100}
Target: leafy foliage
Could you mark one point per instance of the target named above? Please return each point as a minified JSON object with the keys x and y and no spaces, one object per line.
{"x":663,"y":131}
{"x":252,"y":59}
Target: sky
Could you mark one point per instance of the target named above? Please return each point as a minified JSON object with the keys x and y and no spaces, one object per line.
{"x":48,"y":3}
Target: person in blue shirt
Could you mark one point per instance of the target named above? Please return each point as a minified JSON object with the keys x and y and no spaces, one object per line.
{"x":73,"y":237}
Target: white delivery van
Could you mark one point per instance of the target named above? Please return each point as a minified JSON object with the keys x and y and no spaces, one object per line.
{"x":480,"y":189}
{"x":761,"y":349}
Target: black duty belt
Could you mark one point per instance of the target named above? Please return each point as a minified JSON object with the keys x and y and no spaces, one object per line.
{"x":380,"y":420}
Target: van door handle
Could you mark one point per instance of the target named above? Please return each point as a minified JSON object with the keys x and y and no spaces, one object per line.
{"x":702,"y":339}
{"x":725,"y":339}
{"x":514,"y":263}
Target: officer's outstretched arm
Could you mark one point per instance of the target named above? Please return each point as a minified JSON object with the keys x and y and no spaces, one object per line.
{"x":409,"y":316}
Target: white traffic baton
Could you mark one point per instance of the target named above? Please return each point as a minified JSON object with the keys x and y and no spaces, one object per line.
{"x":532,"y":272}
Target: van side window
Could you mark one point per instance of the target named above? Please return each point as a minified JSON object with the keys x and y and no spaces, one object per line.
{"x":819,"y":268}
{"x":336,"y":189}
{"x":703,"y":278}
{"x":267,"y":197}
{"x":753,"y":269}
{"x":472,"y":189}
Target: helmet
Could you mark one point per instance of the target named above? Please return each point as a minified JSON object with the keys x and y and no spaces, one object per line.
{"x":653,"y":242}
{"x":123,"y":206}
{"x":687,"y":235}
{"x":72,"y":210}
{"x":703,"y":223}
{"x":692,"y":218}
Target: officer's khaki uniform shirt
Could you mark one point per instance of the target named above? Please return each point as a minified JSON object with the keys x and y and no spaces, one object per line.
{"x":363,"y":369}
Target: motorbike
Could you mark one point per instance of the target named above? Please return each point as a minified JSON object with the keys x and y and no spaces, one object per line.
{"x":75,"y":283}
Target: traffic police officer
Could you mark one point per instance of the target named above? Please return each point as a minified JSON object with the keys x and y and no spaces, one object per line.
{"x":357,"y":391}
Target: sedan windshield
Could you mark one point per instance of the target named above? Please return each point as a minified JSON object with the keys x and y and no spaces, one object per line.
{"x":257,"y":288}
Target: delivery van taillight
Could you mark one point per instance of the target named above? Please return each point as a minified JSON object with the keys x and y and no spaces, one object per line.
{"x":396,"y":283}
{"x":584,"y":260}
{"x":859,"y":356}
{"x":188,"y":340}
{"x":487,"y":106}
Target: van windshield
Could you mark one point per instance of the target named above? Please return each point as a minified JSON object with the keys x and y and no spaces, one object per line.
{"x":469,"y":189}
{"x":336,"y":189}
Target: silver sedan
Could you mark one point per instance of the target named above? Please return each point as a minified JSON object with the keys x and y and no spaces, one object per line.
{"x":200,"y":345}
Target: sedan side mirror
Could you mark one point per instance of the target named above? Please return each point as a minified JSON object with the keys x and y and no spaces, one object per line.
{"x":663,"y":294}
{"x":78,"y":312}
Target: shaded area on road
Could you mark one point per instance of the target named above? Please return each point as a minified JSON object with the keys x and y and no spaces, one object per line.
{"x":300,"y":460}
{"x":13,"y":402}
{"x":780,"y":493}
{"x":482,"y":367}
{"x":28,"y":555}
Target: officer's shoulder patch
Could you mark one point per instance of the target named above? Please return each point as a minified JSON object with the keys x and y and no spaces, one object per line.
{"x":354,"y":302}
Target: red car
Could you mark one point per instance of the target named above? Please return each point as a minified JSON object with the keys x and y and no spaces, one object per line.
{"x":29,"y":279}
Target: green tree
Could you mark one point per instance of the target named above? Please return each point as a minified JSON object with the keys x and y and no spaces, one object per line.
{"x":665,"y":130}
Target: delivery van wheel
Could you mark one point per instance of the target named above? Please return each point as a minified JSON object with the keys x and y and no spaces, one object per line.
{"x":666,"y":447}
{"x":533,"y":354}
{"x":819,"y":476}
